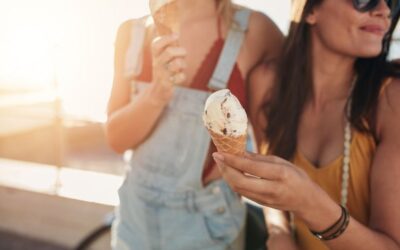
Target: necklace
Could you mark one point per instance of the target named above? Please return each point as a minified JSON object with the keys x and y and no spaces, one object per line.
{"x":346,"y":152}
{"x":346,"y":163}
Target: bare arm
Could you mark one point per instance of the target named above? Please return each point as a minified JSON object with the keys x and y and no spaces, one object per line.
{"x":261,"y":80}
{"x":262,"y":45}
{"x":131,"y":121}
{"x":383,"y":231}
{"x":264,"y":40}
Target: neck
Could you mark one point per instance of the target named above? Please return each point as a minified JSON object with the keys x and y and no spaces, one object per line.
{"x":192,"y":10}
{"x":333,"y":75}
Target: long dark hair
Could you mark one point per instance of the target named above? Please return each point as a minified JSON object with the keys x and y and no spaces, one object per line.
{"x":294,"y":83}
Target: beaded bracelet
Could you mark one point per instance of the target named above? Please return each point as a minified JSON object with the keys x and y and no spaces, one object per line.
{"x":336,"y":229}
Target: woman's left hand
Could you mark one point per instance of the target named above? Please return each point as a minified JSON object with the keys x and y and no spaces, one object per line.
{"x":268,"y":180}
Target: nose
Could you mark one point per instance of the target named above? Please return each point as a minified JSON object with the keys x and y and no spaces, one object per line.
{"x":382,"y":9}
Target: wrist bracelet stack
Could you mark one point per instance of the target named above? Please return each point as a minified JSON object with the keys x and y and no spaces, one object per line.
{"x":336,"y":229}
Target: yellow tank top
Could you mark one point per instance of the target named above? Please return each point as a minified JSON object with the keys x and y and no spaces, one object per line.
{"x":329,"y":178}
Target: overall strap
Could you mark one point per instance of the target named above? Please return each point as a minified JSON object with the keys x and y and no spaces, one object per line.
{"x":231,"y":50}
{"x":133,"y":59}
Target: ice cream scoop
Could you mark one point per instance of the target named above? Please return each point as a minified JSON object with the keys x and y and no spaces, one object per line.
{"x":224,"y":115}
{"x":226,"y":120}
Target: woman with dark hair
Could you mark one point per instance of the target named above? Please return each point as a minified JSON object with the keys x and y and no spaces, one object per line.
{"x":332,"y":116}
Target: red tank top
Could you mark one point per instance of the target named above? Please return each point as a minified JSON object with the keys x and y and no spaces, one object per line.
{"x":235,"y":84}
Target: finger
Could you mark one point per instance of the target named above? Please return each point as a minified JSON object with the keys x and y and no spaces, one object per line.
{"x":241,"y":181}
{"x":260,"y":199}
{"x":265,"y":199}
{"x":260,"y":190}
{"x":170,"y":53}
{"x":178,"y":79}
{"x":176,"y":65}
{"x":159,"y":44}
{"x":262,"y":169}
{"x":266,"y":158}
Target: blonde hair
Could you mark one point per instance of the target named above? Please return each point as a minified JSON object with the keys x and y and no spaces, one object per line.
{"x":297,"y":10}
{"x":226,"y":9}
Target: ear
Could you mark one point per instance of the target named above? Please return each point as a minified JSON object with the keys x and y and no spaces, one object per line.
{"x":311,"y":18}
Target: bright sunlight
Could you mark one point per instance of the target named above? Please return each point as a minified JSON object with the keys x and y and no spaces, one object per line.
{"x":67,"y":46}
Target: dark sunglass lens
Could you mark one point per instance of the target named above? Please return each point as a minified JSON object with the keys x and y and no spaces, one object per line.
{"x":362,"y":4}
{"x":367,"y":5}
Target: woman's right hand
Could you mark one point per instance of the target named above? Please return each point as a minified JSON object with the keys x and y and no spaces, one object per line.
{"x":168,"y":66}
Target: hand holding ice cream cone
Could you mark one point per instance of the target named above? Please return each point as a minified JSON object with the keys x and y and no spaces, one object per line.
{"x":168,"y":56}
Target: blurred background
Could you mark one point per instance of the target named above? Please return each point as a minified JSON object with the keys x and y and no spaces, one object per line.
{"x":58,"y":178}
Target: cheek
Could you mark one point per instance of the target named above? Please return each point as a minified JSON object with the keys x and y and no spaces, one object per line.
{"x":348,"y":39}
{"x":370,"y":45}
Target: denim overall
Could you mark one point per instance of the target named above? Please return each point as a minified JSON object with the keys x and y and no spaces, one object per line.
{"x":163,"y":204}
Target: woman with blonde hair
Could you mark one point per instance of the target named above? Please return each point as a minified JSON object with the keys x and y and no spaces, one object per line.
{"x":173,"y":196}
{"x":332,"y":110}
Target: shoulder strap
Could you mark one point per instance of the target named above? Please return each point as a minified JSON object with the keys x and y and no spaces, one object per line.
{"x":231,"y":50}
{"x":133,"y":59}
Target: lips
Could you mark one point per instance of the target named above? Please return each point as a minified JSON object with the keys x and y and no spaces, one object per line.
{"x":375,"y":29}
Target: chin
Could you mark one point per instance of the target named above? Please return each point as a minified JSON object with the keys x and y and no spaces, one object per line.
{"x":369,"y":52}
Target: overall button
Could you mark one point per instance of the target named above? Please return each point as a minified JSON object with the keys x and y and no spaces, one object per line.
{"x":216,"y":190}
{"x":220,"y":210}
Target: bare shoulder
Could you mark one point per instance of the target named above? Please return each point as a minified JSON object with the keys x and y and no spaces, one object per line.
{"x":260,"y":84}
{"x":123,"y":37}
{"x":262,"y":27}
{"x":385,"y":171}
{"x":263,"y":76}
{"x":120,"y":93}
{"x":260,"y":87}
{"x":125,"y":28}
{"x":260,"y":21}
{"x":389,"y":102}
{"x":389,"y":110}
{"x":264,"y":36}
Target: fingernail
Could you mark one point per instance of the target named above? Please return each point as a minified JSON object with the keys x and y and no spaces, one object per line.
{"x":218,"y":157}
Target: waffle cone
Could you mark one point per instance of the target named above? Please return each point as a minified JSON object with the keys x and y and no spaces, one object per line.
{"x":229,"y":144}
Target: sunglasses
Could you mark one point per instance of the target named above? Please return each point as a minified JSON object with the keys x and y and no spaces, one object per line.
{"x":367,"y":5}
